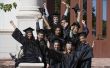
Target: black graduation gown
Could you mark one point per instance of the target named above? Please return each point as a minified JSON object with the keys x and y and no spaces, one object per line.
{"x":54,"y":63}
{"x":66,"y":33}
{"x":54,"y":25}
{"x":68,"y":58}
{"x":82,"y":57}
{"x":61,"y":60}
{"x":52,"y":37}
{"x":30,"y":50}
{"x":75,"y":37}
{"x":42,"y":44}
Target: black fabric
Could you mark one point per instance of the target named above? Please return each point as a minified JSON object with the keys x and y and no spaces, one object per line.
{"x":81,"y":58}
{"x":66,"y":33}
{"x":54,"y":63}
{"x":42,"y":44}
{"x":31,"y":51}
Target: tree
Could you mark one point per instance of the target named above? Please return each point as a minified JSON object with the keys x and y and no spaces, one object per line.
{"x":8,"y":7}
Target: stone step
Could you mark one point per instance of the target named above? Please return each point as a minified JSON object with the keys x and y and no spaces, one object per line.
{"x":31,"y":65}
{"x":96,"y":63}
{"x":101,"y":63}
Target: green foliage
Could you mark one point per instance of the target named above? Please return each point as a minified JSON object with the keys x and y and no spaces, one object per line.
{"x":7,"y":7}
{"x":14,"y":5}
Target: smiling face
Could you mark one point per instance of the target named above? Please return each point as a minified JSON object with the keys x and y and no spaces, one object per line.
{"x":64,"y":23}
{"x":57,"y":31}
{"x":82,"y":39}
{"x":55,"y":19}
{"x":75,"y":29}
{"x":40,"y":36}
{"x":69,"y":46}
{"x":56,"y":45}
{"x":29,"y":35}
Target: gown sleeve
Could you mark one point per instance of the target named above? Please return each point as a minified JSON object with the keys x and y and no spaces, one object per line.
{"x":87,"y":58}
{"x":52,"y":54}
{"x":17,"y":35}
{"x":86,"y":63}
{"x":85,"y":30}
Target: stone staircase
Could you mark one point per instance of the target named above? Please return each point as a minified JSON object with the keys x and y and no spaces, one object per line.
{"x":101,"y":63}
{"x":6,"y":63}
{"x":96,"y":63}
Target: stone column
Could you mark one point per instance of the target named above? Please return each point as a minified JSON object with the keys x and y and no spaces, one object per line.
{"x":26,"y":16}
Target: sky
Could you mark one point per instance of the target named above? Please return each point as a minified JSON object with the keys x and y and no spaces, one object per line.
{"x":104,"y":8}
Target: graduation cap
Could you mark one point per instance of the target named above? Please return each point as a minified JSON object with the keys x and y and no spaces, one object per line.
{"x":42,"y":10}
{"x":76,"y":8}
{"x":29,"y":29}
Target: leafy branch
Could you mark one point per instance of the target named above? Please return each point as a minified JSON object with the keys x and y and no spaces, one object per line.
{"x":8,"y":7}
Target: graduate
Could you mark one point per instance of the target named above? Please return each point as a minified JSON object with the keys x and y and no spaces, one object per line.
{"x":42,"y":44}
{"x":68,"y":54}
{"x":65,"y":28}
{"x":31,"y":52}
{"x":73,"y":58}
{"x":66,"y":58}
{"x":51,"y":62}
{"x":54,"y":19}
{"x":56,"y":35}
{"x":74,"y":32}
{"x":84,"y":53}
{"x":41,"y":22}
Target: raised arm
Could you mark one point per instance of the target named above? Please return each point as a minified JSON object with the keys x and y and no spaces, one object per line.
{"x":46,"y":10}
{"x":85,"y":29}
{"x":13,"y":25}
{"x":78,"y":16}
{"x":17,"y":35}
{"x":46,"y":22}
{"x":67,"y":8}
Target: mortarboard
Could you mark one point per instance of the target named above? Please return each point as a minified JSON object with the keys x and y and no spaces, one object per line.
{"x":29,"y":29}
{"x":76,"y":8}
{"x":41,"y":10}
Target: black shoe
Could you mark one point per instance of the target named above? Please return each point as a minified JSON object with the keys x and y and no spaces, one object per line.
{"x":12,"y":56}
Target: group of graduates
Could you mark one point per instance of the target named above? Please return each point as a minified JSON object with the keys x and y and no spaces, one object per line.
{"x":58,"y":44}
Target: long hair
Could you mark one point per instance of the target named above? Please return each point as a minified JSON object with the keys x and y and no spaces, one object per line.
{"x":32,"y":37}
{"x":72,"y":45}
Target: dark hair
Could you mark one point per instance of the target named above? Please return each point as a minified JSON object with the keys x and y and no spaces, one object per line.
{"x":60,"y":30}
{"x":32,"y":38}
{"x":64,"y":18}
{"x":69,"y":42}
{"x":83,"y":34}
{"x":40,"y":31}
{"x":56,"y":41}
{"x":76,"y":24}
